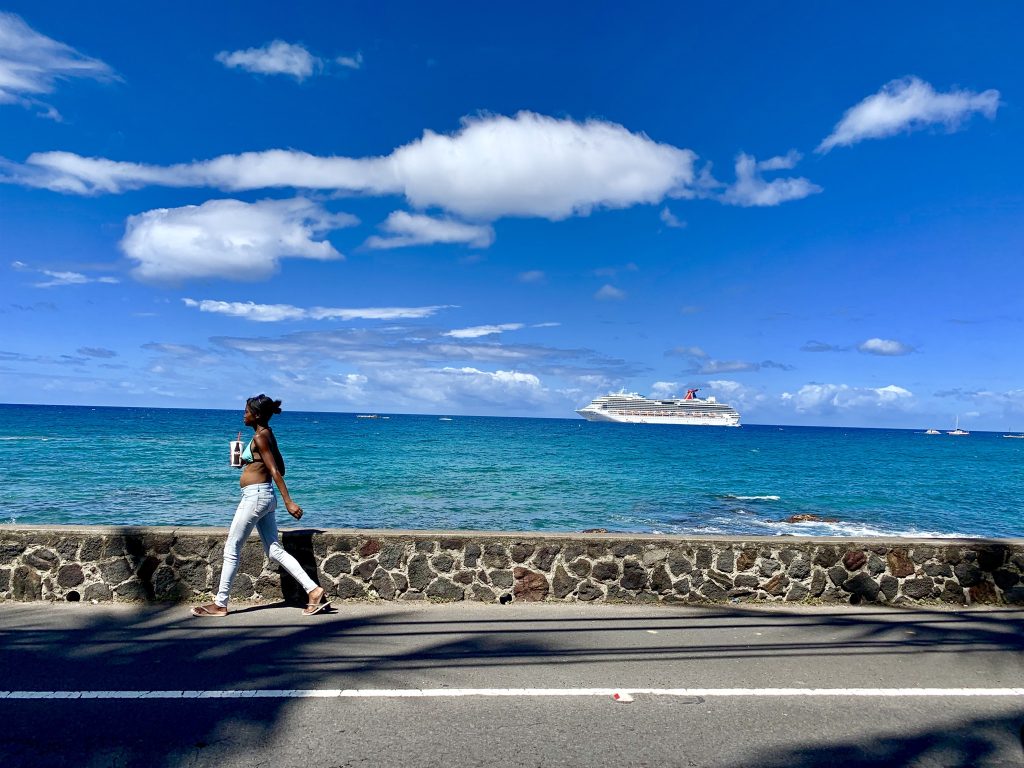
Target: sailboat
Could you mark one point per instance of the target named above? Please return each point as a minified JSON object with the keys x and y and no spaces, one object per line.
{"x":956,"y":430}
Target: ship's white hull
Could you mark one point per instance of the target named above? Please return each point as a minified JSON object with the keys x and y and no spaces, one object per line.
{"x":682,"y":419}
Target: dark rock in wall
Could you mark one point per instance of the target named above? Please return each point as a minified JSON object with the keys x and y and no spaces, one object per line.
{"x":627,"y":549}
{"x":991,"y":557}
{"x":463,"y":577}
{"x":817,"y":583}
{"x":562,"y":584}
{"x":482,"y":594}
{"x":426,"y":546}
{"x":826,"y":556}
{"x":704,"y":556}
{"x":70,"y":576}
{"x":443,"y":563}
{"x":952,"y":593}
{"x":787,"y":556}
{"x":606,"y":570}
{"x":99,"y":592}
{"x":660,"y":580}
{"x":938,"y":569}
{"x":726,"y":561}
{"x":115,"y":571}
{"x":546,"y":555}
{"x":713,"y":591}
{"x":420,"y":574}
{"x":472,"y":555}
{"x":520,"y":551}
{"x":918,"y":588}
{"x":1005,"y":579}
{"x":445,"y":590}
{"x":495,"y":556}
{"x":392,"y":555}
{"x":679,"y":563}
{"x":581,"y":567}
{"x":837,"y":575}
{"x":501,"y":578}
{"x":634,"y":575}
{"x":797,"y":592}
{"x":335,"y":565}
{"x":5,"y":579}
{"x":10,"y":550}
{"x":588,"y":591}
{"x":365,"y":570}
{"x":348,"y":588}
{"x":746,"y":580}
{"x":968,"y":574}
{"x":799,"y":568}
{"x":889,"y":587}
{"x":452,"y":544}
{"x":26,"y":584}
{"x":1014,"y":596}
{"x":42,"y":559}
{"x":863,"y":585}
{"x":876,"y":565}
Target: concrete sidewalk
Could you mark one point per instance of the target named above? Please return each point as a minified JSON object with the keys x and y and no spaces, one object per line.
{"x":405,"y":648}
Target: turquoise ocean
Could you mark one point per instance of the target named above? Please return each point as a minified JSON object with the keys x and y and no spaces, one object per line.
{"x":141,"y":466}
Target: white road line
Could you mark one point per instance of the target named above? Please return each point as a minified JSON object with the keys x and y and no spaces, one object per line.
{"x":444,"y":693}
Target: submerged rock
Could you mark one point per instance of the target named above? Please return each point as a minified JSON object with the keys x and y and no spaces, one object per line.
{"x":809,"y":518}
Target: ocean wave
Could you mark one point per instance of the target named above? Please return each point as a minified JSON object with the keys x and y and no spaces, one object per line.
{"x":853,"y":530}
{"x":735,"y":497}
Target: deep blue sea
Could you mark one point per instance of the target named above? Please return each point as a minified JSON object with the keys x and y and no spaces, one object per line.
{"x":141,"y":466}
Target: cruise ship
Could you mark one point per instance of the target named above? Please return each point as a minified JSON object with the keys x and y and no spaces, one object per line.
{"x":633,"y":408}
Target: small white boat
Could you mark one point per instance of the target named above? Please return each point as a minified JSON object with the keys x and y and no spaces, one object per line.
{"x":367,"y":416}
{"x":445,"y":418}
{"x":932,"y":432}
{"x":956,"y":430}
{"x":1015,"y":437}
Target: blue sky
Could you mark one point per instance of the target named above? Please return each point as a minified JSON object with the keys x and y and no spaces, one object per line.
{"x":808,"y":210}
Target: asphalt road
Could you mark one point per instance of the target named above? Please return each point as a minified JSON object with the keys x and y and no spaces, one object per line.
{"x":405,"y":648}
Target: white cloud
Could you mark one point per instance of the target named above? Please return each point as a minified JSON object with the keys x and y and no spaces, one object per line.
{"x":906,"y":105}
{"x":608,"y":292}
{"x":888,"y":347}
{"x":750,"y":188}
{"x":489,"y":386}
{"x":482,"y":330}
{"x":669,"y":219}
{"x":664,"y":389}
{"x":351,"y":62}
{"x":531,"y":276}
{"x":58,"y":279}
{"x":272,"y":313}
{"x":228,"y":238}
{"x":685,"y":351}
{"x":494,"y":166}
{"x":405,"y":229}
{"x":739,"y":396}
{"x":275,"y":58}
{"x":32,"y":63}
{"x":781,"y":162}
{"x":829,"y":398}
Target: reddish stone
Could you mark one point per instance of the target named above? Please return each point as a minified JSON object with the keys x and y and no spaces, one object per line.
{"x":530,"y":586}
{"x":370,"y":547}
{"x":854,"y":559}
{"x":900,"y":564}
{"x":985,"y":592}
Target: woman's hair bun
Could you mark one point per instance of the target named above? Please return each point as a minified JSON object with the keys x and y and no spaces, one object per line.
{"x":263,"y":406}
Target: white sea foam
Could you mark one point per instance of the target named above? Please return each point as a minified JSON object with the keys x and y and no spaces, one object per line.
{"x":854,"y":530}
{"x":750,"y":498}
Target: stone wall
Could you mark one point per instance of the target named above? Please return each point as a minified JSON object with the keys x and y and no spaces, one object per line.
{"x":181,"y":564}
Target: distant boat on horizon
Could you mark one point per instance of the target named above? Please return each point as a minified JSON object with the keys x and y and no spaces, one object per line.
{"x":367,"y":416}
{"x":445,"y":418}
{"x":932,"y":432}
{"x":956,"y":430}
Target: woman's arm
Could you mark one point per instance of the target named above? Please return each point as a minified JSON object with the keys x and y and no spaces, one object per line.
{"x":269,"y":457}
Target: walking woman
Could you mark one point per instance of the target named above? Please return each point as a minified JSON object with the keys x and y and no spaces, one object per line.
{"x":261,"y":463}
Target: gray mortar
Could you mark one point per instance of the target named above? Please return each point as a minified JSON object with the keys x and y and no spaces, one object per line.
{"x":181,"y":564}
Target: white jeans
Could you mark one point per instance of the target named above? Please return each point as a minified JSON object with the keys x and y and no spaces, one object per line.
{"x":256,"y":510}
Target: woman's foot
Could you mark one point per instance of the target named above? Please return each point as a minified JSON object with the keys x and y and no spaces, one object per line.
{"x":315,"y":602}
{"x":212,"y":609}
